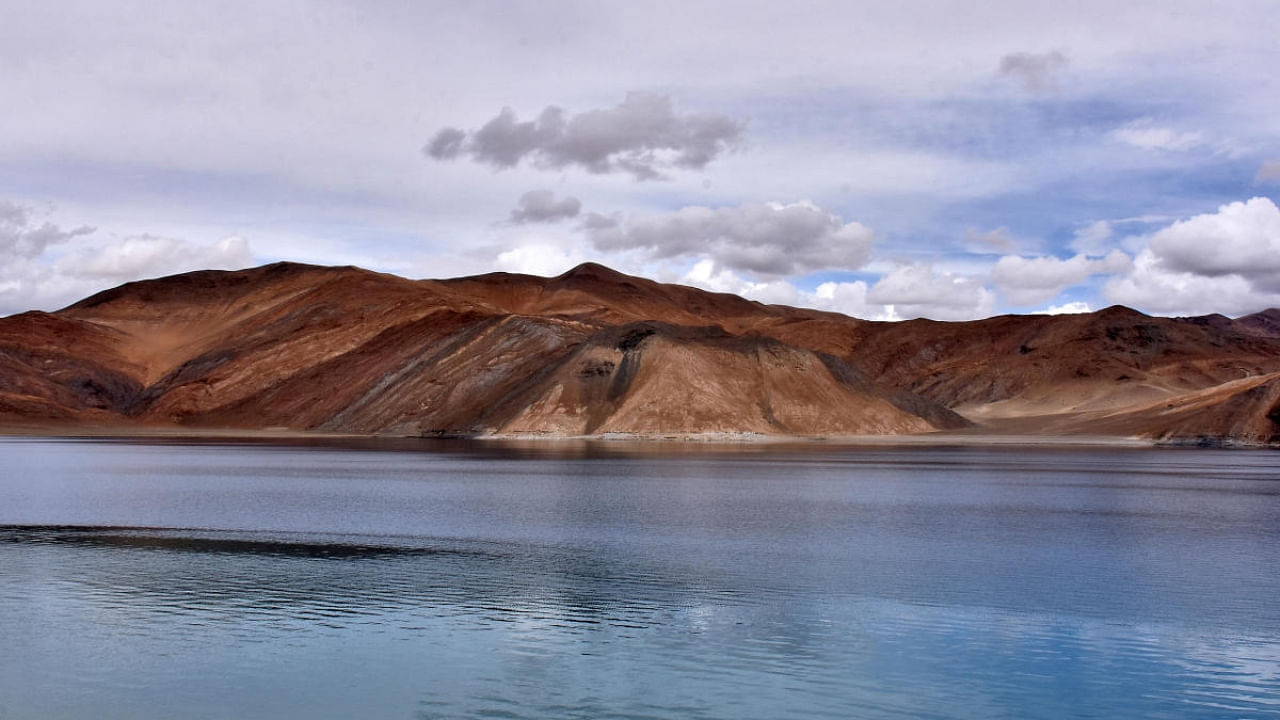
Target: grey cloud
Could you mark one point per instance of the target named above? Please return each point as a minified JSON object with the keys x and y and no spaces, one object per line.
{"x":504,"y":141}
{"x":767,"y":239}
{"x":596,"y":221}
{"x":1036,"y":71}
{"x":22,"y":238}
{"x":643,"y":136}
{"x":538,"y":206}
{"x":12,"y":213}
{"x":446,"y":144}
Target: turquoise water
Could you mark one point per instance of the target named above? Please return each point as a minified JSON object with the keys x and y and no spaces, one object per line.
{"x":403,"y":580}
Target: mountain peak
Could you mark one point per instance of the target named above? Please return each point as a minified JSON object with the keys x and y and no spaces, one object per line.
{"x":593,"y":271}
{"x":1265,"y":323}
{"x":1121,"y":311}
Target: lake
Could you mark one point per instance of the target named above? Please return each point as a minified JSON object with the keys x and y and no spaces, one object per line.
{"x":152,"y":579}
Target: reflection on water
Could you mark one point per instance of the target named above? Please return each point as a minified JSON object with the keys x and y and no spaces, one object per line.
{"x":183,"y":580}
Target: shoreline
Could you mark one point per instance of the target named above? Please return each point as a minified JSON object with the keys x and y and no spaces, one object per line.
{"x":923,"y":439}
{"x":721,"y":438}
{"x":969,"y":437}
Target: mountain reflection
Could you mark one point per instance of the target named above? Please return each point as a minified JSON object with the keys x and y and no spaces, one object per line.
{"x":207,"y":573}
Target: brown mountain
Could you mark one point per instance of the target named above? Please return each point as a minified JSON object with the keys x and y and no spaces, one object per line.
{"x":595,"y":351}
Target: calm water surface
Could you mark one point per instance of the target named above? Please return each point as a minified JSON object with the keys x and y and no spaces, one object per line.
{"x":605,"y":581}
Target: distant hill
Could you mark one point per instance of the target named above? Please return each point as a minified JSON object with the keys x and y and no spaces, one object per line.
{"x":593,"y":351}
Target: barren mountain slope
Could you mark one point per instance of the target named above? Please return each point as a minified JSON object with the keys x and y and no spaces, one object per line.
{"x":60,"y":369}
{"x":307,"y":311}
{"x":1245,"y":410}
{"x":1014,"y":366}
{"x":346,"y":350}
{"x":596,"y":351}
{"x":659,"y":378}
{"x":596,"y":294}
{"x":1263,"y":324}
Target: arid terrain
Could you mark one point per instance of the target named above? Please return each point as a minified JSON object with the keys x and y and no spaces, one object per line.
{"x":289,"y":347}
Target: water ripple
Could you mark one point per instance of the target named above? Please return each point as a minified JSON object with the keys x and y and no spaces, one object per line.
{"x":948,"y":584}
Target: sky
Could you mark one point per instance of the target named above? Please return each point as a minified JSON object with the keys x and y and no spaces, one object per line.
{"x":884,"y":160}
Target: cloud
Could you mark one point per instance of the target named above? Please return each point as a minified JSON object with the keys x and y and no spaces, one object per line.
{"x":592,"y":222}
{"x":145,"y":256}
{"x":32,"y":276}
{"x":908,"y":291}
{"x":23,"y":238}
{"x":707,"y":275}
{"x":1030,"y":281}
{"x":1227,"y":262}
{"x":1156,"y":289}
{"x":921,"y":291}
{"x":446,"y":144}
{"x":538,"y":258}
{"x":1268,"y":172}
{"x":765,"y":239}
{"x":25,"y":279}
{"x":1241,"y":238}
{"x":1000,"y":240}
{"x":1071,"y":308}
{"x":642,"y":136}
{"x":1143,"y":133}
{"x":881,"y":122}
{"x":540,"y":206}
{"x":1092,"y":238}
{"x":849,"y":298}
{"x":1036,"y":71}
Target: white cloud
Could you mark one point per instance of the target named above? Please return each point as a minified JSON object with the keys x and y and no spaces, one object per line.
{"x":1226,"y":262}
{"x":25,"y":280}
{"x":908,"y":291}
{"x":850,"y":298}
{"x":708,"y":276}
{"x":1092,"y":238}
{"x":642,"y":136}
{"x":1030,"y":281}
{"x":147,"y":256}
{"x":1241,"y":238}
{"x":766,"y":239}
{"x":547,"y":256}
{"x":34,"y":276}
{"x":1154,"y":288}
{"x":1143,"y":133}
{"x":922,"y":291}
{"x":1071,"y":308}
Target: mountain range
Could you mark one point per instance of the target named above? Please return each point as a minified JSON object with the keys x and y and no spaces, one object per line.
{"x":596,"y":352}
